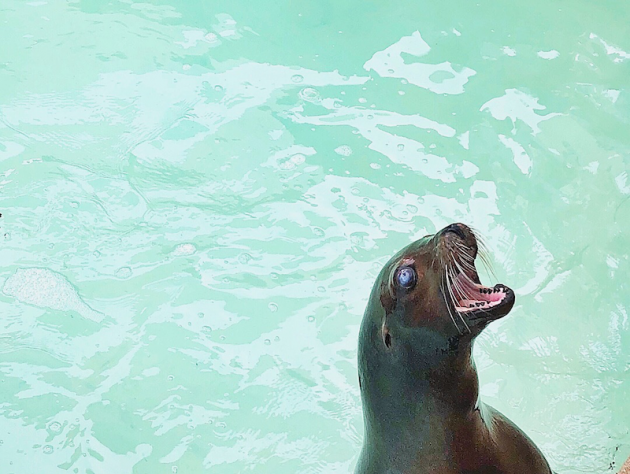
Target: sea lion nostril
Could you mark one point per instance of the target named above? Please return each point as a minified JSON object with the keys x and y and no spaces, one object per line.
{"x":455,"y":229}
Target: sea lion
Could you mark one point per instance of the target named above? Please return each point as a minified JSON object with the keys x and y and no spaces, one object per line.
{"x":419,"y":385}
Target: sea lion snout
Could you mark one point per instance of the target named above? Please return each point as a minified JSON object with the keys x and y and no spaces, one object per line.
{"x":457,"y":238}
{"x":458,"y":229}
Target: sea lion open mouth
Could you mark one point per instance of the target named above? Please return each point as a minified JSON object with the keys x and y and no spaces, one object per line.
{"x":458,"y":248}
{"x":482,"y":301}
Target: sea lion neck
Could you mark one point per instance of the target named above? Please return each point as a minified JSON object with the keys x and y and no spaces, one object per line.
{"x":426,"y":368}
{"x":405,"y":404}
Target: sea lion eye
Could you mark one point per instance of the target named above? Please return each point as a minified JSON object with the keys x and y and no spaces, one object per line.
{"x":406,"y":277}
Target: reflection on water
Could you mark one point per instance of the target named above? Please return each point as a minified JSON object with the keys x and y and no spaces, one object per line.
{"x":196,"y":199}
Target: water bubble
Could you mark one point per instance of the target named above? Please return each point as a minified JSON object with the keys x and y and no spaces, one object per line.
{"x":404,"y":81}
{"x":170,"y":378}
{"x":218,"y":88}
{"x":311,"y":319}
{"x":298,"y":159}
{"x":318,"y":232}
{"x":273,"y":307}
{"x":48,"y":449}
{"x":286,"y":164}
{"x":343,"y":150}
{"x":184,"y":249}
{"x":400,"y":147}
{"x":55,"y":427}
{"x":355,"y":191}
{"x":206,"y":330}
{"x":267,"y":342}
{"x":51,"y":246}
{"x":337,"y":104}
{"x":96,"y":253}
{"x":297,"y":78}
{"x":375,"y":166}
{"x":362,"y":100}
{"x":321,"y":289}
{"x":370,"y":117}
{"x":357,"y":239}
{"x":123,"y":273}
{"x":401,"y":92}
{"x":174,"y":469}
{"x":391,"y":71}
{"x":276,"y":339}
{"x":309,"y":94}
{"x":411,"y":208}
{"x":7,"y":236}
{"x":221,"y":424}
{"x":245,"y":258}
{"x":200,"y":315}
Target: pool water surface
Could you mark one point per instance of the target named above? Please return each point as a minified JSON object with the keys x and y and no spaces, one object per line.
{"x":197,"y":196}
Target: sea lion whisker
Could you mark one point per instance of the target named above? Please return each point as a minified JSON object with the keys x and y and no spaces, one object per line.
{"x":467,"y":265}
{"x":464,"y":289}
{"x":464,"y":274}
{"x":450,"y":313}
{"x":449,"y":283}
{"x":448,"y":306}
{"x":487,"y":265}
{"x":465,"y":256}
{"x":484,"y":253}
{"x":462,"y":248}
{"x":461,"y":317}
{"x":457,"y":291}
{"x":456,"y":285}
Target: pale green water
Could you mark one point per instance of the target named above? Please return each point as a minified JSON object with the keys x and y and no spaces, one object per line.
{"x":196,"y":197}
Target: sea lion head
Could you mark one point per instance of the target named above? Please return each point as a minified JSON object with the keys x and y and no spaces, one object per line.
{"x":427,"y":304}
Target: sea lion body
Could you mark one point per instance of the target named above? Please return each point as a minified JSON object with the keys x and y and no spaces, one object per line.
{"x":419,"y":385}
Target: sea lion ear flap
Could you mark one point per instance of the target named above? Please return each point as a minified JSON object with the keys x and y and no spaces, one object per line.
{"x":387,"y":337}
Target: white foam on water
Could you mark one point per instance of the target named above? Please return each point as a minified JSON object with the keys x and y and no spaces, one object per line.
{"x":47,"y":289}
